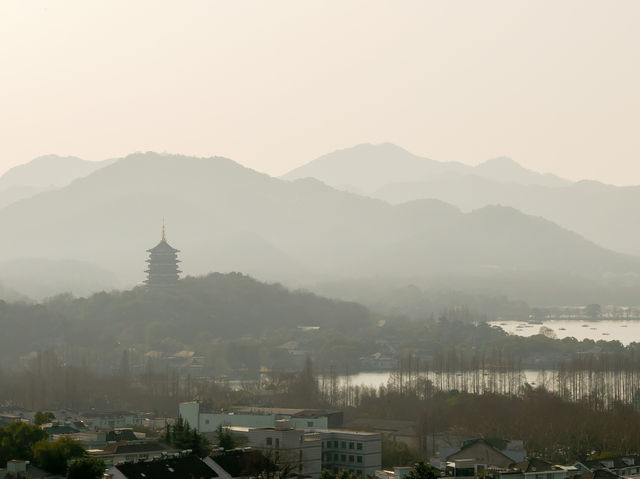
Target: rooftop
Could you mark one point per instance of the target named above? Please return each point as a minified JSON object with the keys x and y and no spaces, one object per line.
{"x":124,"y":447}
{"x":171,"y":468}
{"x":243,"y":462}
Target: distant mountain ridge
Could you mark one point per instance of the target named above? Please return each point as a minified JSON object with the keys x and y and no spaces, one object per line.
{"x":44,"y":173}
{"x":290,"y":230}
{"x":507,"y":170}
{"x":366,"y":168}
{"x":50,"y":171}
{"x":605,"y":214}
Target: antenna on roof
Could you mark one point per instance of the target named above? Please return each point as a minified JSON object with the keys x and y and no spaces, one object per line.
{"x":163,"y":235}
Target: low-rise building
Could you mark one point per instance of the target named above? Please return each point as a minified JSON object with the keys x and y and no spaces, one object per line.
{"x":479,"y":455}
{"x":537,"y":469}
{"x":206,"y":421}
{"x":131,"y":452}
{"x":17,"y":469}
{"x":100,"y":420}
{"x":624,"y":466}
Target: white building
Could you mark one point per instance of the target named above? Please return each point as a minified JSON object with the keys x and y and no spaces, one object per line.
{"x":294,"y":450}
{"x":253,"y":417}
{"x":308,"y":452}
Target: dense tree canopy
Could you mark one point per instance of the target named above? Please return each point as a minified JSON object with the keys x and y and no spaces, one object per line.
{"x":43,"y":418}
{"x":17,"y":441}
{"x":86,"y":468}
{"x":422,"y":471}
{"x":54,"y":456}
{"x":181,"y":436}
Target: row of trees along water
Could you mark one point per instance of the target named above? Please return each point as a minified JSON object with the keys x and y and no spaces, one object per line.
{"x":600,"y":380}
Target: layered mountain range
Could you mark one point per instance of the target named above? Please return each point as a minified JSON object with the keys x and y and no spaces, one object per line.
{"x":225,"y":217}
{"x":606,"y":214}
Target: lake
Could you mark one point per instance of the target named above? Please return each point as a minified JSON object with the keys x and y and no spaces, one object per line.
{"x":381,"y":378}
{"x":625,"y":331}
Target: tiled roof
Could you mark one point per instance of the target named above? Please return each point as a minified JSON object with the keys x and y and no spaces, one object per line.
{"x":619,"y":462}
{"x":598,"y":474}
{"x":534,"y":465}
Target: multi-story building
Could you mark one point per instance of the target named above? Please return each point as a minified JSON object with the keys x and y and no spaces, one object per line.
{"x":308,"y":452}
{"x":292,"y":450}
{"x":356,"y":451}
{"x":304,"y":441}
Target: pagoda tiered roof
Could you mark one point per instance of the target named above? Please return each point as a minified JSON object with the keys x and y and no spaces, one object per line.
{"x":163,"y":247}
{"x":163,"y":262}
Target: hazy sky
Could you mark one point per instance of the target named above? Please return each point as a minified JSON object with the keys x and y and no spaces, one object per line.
{"x":274,"y":84}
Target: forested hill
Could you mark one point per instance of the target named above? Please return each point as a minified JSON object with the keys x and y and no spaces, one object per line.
{"x":199,"y":312}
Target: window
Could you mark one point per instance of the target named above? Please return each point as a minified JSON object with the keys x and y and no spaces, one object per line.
{"x":351,"y":459}
{"x":359,"y":459}
{"x":309,"y":423}
{"x":359,"y":446}
{"x":351,"y":445}
{"x":343,"y":458}
{"x":335,"y":457}
{"x":277,"y":442}
{"x":206,"y":421}
{"x":343,"y":445}
{"x":322,"y":444}
{"x":269,"y":441}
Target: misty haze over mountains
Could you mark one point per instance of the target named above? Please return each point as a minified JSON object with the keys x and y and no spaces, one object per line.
{"x":367,"y":168}
{"x":599,"y":212}
{"x":44,"y":173}
{"x":224,"y":217}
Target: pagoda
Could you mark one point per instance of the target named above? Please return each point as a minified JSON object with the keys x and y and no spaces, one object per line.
{"x":163,"y":272}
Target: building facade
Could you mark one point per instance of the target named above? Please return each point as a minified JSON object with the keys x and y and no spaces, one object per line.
{"x":359,"y":452}
{"x":292,"y":450}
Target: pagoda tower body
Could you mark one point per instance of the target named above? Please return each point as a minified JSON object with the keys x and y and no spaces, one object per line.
{"x":163,"y":272}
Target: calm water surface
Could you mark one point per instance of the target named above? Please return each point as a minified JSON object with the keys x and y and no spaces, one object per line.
{"x":608,"y":330}
{"x":381,"y":378}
